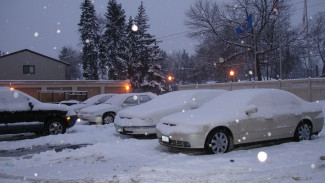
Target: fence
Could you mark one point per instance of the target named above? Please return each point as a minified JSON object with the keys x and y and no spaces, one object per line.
{"x":91,"y":87}
{"x":311,"y":89}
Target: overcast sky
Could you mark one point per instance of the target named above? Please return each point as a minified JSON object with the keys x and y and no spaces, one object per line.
{"x":45,"y":26}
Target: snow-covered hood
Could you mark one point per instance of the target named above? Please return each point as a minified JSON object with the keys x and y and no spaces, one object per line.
{"x":100,"y":107}
{"x":151,"y":112}
{"x":47,"y":106}
{"x":78,"y":106}
{"x":204,"y":117}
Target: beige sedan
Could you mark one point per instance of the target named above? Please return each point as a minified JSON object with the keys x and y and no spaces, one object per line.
{"x":240,"y":117}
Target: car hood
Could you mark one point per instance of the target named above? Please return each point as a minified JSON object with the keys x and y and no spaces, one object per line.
{"x":204,"y":117}
{"x":78,"y":106}
{"x":47,"y":106}
{"x":154,"y":113}
{"x":99,"y":107}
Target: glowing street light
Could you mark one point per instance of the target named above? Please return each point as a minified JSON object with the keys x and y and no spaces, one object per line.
{"x":127,"y":88}
{"x":232,"y":74}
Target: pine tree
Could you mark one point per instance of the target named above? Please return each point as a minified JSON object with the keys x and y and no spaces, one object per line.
{"x":88,"y":27}
{"x":112,"y":43}
{"x":151,"y":78}
{"x":131,"y":56}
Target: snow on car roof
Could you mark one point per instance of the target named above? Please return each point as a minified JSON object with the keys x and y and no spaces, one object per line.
{"x":171,"y":102}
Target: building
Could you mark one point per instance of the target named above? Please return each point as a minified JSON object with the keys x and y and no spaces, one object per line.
{"x":44,"y":77}
{"x":29,"y":65}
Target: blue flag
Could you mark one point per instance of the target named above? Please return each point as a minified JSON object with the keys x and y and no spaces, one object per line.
{"x":246,"y":25}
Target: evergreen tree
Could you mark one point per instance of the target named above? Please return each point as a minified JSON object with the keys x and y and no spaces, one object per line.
{"x":148,"y":54}
{"x":113,"y":42}
{"x":88,"y":27}
{"x":131,"y":56}
{"x":74,"y":58}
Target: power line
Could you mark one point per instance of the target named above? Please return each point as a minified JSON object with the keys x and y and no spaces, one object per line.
{"x":168,"y":36}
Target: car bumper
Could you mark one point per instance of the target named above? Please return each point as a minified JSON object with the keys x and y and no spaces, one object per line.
{"x":91,"y":118}
{"x":136,"y":130}
{"x":72,"y":121}
{"x":182,"y":140}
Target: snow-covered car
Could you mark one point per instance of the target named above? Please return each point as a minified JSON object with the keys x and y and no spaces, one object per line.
{"x":239,"y":117}
{"x":105,"y":113}
{"x":20,"y":113}
{"x":69,"y":102}
{"x":94,"y":100}
{"x":142,"y":120}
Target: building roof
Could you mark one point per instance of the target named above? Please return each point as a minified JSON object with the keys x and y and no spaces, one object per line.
{"x":27,"y":50}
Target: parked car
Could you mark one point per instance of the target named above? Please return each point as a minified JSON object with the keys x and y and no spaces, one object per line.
{"x":69,"y":102}
{"x":94,"y":100}
{"x":105,"y":113}
{"x":142,"y":120}
{"x":20,"y":113}
{"x":242,"y":116}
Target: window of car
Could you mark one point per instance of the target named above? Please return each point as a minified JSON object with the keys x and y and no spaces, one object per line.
{"x":103,"y":99}
{"x":144,"y":98}
{"x":28,"y":69}
{"x":132,"y":100}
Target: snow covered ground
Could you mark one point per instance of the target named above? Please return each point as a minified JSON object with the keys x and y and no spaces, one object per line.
{"x":112,"y":157}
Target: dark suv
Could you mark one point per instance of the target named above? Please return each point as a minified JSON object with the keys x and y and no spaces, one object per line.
{"x":21,"y":113}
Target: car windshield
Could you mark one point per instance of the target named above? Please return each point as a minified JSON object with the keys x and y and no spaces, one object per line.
{"x":97,"y":99}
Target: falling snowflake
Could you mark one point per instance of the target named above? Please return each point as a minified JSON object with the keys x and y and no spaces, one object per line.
{"x":262,"y":156}
{"x":58,"y":31}
{"x":134,"y":28}
{"x":87,"y":41}
{"x":54,"y":48}
{"x":16,"y":94}
{"x":36,"y":34}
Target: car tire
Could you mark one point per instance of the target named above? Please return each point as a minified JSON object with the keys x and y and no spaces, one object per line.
{"x":54,"y":127}
{"x":218,"y":141}
{"x":303,"y":132}
{"x":108,"y":119}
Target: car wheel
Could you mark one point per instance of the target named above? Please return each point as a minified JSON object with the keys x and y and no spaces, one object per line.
{"x":108,"y":118}
{"x":218,"y":141}
{"x":54,"y":127}
{"x":303,"y":132}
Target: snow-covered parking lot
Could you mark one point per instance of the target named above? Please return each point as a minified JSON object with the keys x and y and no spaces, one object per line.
{"x":111,"y":157}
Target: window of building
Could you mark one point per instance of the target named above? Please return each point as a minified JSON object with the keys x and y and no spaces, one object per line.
{"x":29,"y":69}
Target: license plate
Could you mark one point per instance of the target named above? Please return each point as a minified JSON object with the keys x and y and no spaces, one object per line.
{"x":119,"y":128}
{"x":165,"y":138}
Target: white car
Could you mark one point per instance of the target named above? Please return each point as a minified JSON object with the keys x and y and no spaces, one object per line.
{"x":240,"y":117}
{"x":142,"y":120}
{"x":105,"y":113}
{"x":94,"y":100}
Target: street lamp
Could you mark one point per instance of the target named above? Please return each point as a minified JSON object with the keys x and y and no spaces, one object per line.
{"x":127,"y":88}
{"x":170,"y":80}
{"x":232,"y":74}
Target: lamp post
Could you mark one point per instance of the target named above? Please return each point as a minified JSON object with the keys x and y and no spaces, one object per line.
{"x":232,"y":74}
{"x":170,"y":80}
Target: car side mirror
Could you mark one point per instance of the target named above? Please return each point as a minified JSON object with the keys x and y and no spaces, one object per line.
{"x":251,"y":109}
{"x":124,"y":105}
{"x":31,"y":105}
{"x":194,"y":105}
